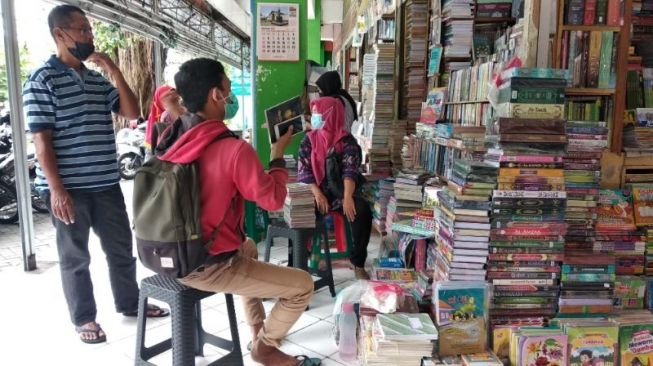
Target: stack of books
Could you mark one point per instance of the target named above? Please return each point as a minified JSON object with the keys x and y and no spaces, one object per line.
{"x":649,"y":252}
{"x":457,"y":30}
{"x":291,"y":165}
{"x":494,"y":9}
{"x":528,"y":142}
{"x":463,"y":221}
{"x":385,"y":190}
{"x":417,"y":14}
{"x":617,"y":234}
{"x":587,"y":285}
{"x":299,"y":207}
{"x":398,"y":339}
{"x":594,"y":339}
{"x":639,"y":136}
{"x":408,"y":189}
{"x":543,"y":346}
{"x":587,"y":137}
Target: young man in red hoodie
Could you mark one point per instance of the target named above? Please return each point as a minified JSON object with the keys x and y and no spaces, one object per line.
{"x":230,"y":173}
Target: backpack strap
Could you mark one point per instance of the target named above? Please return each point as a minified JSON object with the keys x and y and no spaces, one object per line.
{"x":234,"y":199}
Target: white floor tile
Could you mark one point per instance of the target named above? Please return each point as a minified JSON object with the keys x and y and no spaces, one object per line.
{"x":317,"y":338}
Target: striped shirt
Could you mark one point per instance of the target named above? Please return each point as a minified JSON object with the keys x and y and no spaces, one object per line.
{"x":76,"y":107}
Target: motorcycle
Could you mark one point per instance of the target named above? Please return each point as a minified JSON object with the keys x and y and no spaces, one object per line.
{"x":131,"y":150}
{"x":8,"y":194}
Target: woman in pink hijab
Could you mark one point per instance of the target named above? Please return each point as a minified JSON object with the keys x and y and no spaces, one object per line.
{"x":329,"y":136}
{"x":164,"y":110}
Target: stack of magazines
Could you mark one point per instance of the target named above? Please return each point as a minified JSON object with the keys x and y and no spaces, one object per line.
{"x":299,"y":208}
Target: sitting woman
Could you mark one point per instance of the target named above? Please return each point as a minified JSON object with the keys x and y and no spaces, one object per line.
{"x":329,"y":135}
{"x":165,"y":109}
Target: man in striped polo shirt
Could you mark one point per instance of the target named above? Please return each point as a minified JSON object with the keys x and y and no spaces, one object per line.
{"x":68,"y":110}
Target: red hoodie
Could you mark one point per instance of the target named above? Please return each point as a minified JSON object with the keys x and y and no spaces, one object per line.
{"x":227,"y":167}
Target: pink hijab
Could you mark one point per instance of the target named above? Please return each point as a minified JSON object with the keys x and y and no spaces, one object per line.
{"x":331,"y":132}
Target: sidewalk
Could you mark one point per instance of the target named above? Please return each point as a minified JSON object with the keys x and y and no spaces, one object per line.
{"x":36,"y":329}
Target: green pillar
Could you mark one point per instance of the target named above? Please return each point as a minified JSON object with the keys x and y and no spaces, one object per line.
{"x":275,"y":82}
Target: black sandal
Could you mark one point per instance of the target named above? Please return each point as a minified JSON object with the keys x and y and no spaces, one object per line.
{"x":308,"y":361}
{"x":98,"y":338}
{"x":150,"y":312}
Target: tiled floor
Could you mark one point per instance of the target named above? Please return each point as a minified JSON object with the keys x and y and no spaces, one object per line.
{"x":35,"y":330}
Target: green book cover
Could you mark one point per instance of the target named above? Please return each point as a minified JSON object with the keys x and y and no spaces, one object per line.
{"x":636,"y":344}
{"x":606,"y":59}
{"x":400,"y":326}
{"x":592,"y":345}
{"x":601,"y":11}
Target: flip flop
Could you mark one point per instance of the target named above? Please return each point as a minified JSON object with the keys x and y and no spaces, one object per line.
{"x":161,"y":312}
{"x":98,"y":338}
{"x":308,"y":361}
{"x":249,"y":346}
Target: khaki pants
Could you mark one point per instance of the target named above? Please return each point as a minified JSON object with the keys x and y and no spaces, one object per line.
{"x":244,"y":275}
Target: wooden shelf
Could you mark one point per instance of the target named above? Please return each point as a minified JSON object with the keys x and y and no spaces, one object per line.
{"x":494,"y":20}
{"x":589,"y":28}
{"x":589,"y":91}
{"x":467,"y":102}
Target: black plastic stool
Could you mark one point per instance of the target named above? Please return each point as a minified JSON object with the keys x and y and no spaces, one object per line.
{"x":297,"y":252}
{"x":188,"y":335}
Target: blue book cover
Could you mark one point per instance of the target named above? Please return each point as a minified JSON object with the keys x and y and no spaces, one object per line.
{"x":459,"y":301}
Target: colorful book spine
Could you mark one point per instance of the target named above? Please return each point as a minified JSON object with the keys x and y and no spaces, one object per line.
{"x":606,"y":59}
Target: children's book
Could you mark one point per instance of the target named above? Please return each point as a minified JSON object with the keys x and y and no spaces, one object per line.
{"x":592,"y":346}
{"x":539,"y":347}
{"x":459,"y":301}
{"x":481,"y":359}
{"x":636,"y":344}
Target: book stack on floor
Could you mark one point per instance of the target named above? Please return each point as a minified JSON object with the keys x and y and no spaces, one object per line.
{"x":587,"y":285}
{"x":528,"y":208}
{"x":399,"y":339}
{"x":299,"y":207}
{"x":587,"y":136}
{"x":409,"y":193}
{"x":463,"y":222}
{"x":384,"y":191}
{"x":617,"y":234}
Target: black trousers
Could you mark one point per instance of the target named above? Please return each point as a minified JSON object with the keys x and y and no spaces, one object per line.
{"x":106,"y":214}
{"x":361,"y":229}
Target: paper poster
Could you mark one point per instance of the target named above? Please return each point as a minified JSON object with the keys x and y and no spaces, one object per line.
{"x":278,"y":32}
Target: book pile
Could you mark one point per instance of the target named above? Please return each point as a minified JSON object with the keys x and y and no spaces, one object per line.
{"x":408,"y":189}
{"x":457,"y":34}
{"x":463,"y":222}
{"x":643,"y":212}
{"x":592,"y":341}
{"x":460,"y":310}
{"x":649,"y":252}
{"x":423,"y":291}
{"x":391,"y":213}
{"x":617,"y":234}
{"x":639,"y":136}
{"x":384,"y":190}
{"x":417,"y":14}
{"x":635,"y":338}
{"x":398,"y":339}
{"x":291,"y":165}
{"x":494,"y":9}
{"x":629,"y":293}
{"x":528,"y":207}
{"x":543,"y":346}
{"x":379,"y":164}
{"x":299,"y":207}
{"x":587,"y":136}
{"x":382,"y":113}
{"x":587,"y":284}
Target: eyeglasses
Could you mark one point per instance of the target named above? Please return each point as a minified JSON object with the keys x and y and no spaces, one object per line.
{"x":84,"y":32}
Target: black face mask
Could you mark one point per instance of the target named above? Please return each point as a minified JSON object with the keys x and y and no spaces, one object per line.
{"x":81,"y":51}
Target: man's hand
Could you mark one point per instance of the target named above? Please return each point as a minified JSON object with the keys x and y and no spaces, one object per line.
{"x":62,"y":205}
{"x":277,"y":149}
{"x":104,"y":62}
{"x":349,"y":208}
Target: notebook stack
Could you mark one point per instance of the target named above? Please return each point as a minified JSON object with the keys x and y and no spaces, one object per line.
{"x":463,"y":221}
{"x":291,"y":165}
{"x":587,"y":137}
{"x":528,"y":141}
{"x":299,"y":207}
{"x":587,"y":285}
{"x":617,"y":234}
{"x":400,"y":339}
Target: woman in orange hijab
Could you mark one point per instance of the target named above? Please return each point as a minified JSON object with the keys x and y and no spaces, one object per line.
{"x":165,"y":109}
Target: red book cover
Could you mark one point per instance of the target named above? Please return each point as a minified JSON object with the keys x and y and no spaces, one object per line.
{"x":614,"y":13}
{"x":590,"y":12}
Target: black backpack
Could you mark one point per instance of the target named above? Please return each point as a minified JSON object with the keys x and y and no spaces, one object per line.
{"x":334,"y":186}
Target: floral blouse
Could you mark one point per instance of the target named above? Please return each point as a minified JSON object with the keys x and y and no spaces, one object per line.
{"x":351,"y":162}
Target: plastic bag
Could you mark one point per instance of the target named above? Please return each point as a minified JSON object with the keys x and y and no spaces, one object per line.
{"x":382,"y":296}
{"x":350,"y":294}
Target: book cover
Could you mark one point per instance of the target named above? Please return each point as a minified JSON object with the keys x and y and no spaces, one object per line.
{"x":481,"y":359}
{"x":575,"y":12}
{"x":601,"y":12}
{"x":590,"y":12}
{"x":594,"y":59}
{"x":606,"y":60}
{"x":614,"y":13}
{"x":593,"y":346}
{"x":407,"y":327}
{"x":280,"y":117}
{"x":459,"y":302}
{"x":636,"y":344}
{"x":542,"y":350}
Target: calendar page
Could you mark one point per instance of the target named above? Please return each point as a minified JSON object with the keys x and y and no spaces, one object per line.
{"x":278,"y":32}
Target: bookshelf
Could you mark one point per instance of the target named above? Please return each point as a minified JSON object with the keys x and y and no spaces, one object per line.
{"x":620,"y":27}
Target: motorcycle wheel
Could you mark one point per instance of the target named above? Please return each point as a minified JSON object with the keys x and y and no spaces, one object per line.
{"x":8,"y":205}
{"x":129,"y":164}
